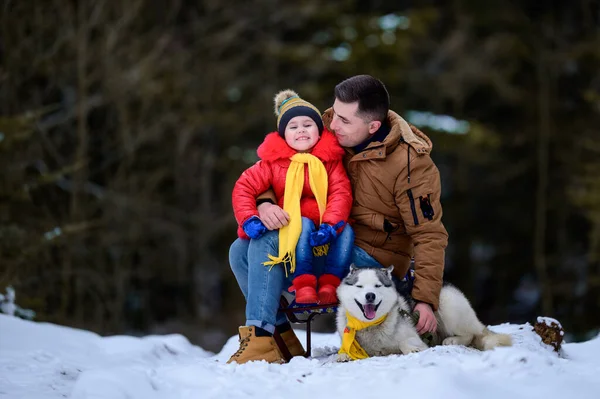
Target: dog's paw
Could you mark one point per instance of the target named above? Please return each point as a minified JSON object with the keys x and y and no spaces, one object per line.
{"x":342,"y":357}
{"x":412,"y":349}
{"x":451,"y":341}
{"x":457,"y":340}
{"x":413,"y":345}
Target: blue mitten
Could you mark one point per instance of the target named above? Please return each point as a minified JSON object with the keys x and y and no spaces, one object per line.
{"x":324,"y":235}
{"x":254,"y":227}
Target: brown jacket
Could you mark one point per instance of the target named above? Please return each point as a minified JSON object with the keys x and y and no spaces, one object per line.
{"x":397,"y":212}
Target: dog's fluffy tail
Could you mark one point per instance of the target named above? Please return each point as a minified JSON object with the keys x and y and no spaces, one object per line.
{"x":489,"y":340}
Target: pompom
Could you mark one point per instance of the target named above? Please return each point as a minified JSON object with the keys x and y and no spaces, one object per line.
{"x":281,"y":97}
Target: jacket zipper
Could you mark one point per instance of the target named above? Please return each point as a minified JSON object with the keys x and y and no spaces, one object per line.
{"x":412,"y":206}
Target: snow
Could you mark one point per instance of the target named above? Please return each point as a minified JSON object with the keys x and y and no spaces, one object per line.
{"x":41,"y":360}
{"x":548,"y":321}
{"x":7,"y":302}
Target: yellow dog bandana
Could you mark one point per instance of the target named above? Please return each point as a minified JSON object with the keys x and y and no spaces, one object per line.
{"x":350,"y":345}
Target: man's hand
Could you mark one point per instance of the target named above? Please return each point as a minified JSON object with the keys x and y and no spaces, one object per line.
{"x":427,"y":321}
{"x":273,"y":216}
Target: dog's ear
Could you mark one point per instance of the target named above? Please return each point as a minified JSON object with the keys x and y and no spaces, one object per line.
{"x":389,"y":270}
{"x":353,"y":268}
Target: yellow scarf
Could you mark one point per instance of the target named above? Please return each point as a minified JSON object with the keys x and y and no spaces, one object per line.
{"x":294,"y":183}
{"x":350,"y":345}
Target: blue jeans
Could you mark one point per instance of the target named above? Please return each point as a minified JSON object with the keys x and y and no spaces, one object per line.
{"x":262,"y":286}
{"x":338,"y":258}
{"x":360,"y":258}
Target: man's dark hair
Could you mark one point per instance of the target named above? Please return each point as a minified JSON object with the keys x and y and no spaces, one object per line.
{"x":372,"y":96}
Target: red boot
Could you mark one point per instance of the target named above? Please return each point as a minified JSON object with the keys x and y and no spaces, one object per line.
{"x":328,"y":284}
{"x":305,"y":286}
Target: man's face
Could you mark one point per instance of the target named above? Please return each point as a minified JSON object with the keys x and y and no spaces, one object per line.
{"x":350,"y":129}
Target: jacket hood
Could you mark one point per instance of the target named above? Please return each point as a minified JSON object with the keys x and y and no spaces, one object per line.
{"x":274,"y":147}
{"x":400,"y":129}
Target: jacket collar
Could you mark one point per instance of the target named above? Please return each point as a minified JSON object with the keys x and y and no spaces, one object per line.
{"x":378,"y":136}
{"x":274,"y":148}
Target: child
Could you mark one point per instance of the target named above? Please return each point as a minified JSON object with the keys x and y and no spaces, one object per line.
{"x":302,"y":162}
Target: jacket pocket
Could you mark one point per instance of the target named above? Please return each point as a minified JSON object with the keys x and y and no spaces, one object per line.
{"x":413,"y":208}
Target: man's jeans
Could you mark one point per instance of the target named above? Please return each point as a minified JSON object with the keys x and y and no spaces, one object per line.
{"x":262,"y":286}
{"x":361,"y":258}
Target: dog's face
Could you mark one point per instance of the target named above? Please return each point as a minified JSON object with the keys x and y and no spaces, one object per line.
{"x":368,"y":293}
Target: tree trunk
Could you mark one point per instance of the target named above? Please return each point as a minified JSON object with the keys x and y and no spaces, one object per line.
{"x":541,"y":204}
{"x":80,"y":173}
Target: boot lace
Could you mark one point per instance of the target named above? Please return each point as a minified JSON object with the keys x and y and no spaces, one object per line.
{"x":243,"y":345}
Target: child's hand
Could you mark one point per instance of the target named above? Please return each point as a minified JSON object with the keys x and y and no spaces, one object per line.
{"x":254,"y":228}
{"x":324,"y":235}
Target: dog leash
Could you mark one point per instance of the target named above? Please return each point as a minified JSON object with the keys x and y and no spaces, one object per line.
{"x":428,"y":338}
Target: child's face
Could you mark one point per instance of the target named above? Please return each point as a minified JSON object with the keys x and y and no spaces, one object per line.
{"x":301,"y":133}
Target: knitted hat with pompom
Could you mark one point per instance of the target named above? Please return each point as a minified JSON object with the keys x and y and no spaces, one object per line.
{"x":288,"y":105}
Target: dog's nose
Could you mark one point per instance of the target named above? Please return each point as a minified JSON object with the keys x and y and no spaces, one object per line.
{"x":370,"y":297}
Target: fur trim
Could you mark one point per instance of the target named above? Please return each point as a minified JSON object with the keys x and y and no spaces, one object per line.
{"x":413,"y":136}
{"x":274,"y":147}
{"x":329,"y":279}
{"x":281,"y":97}
{"x":305,"y":280}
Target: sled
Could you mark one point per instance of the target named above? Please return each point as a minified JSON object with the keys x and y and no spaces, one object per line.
{"x":300,"y":314}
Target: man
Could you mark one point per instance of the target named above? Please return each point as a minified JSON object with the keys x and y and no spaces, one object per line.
{"x":396,"y":216}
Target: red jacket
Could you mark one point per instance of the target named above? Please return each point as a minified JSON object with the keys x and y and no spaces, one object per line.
{"x":271,"y":170}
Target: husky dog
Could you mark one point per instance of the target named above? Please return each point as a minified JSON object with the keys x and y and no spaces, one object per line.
{"x":369,"y":294}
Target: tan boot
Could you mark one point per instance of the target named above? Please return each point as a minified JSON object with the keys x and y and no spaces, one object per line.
{"x":293,"y":343}
{"x":255,"y":348}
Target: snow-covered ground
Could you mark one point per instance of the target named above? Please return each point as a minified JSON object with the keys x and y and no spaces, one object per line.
{"x":40,"y":360}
